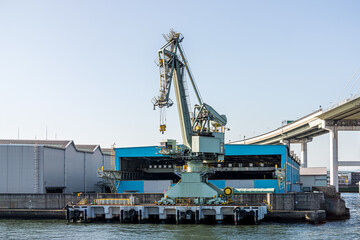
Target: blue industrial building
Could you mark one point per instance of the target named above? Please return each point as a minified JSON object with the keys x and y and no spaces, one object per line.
{"x":245,"y":166}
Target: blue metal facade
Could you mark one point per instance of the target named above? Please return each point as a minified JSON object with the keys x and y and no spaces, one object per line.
{"x":292,"y":168}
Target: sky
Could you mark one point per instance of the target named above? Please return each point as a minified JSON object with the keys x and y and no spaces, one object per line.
{"x":85,"y":71}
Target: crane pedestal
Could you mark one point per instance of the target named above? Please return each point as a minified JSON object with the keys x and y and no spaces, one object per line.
{"x":193,"y":187}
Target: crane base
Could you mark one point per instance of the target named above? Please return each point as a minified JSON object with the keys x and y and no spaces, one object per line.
{"x":193,"y":188}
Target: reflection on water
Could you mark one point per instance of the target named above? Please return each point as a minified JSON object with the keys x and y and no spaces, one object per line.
{"x":58,"y":229}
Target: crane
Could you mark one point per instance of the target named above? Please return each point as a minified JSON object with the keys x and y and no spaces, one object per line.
{"x":202,"y":129}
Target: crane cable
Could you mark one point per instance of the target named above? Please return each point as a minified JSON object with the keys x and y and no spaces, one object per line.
{"x":346,"y":89}
{"x":357,"y":84}
{"x":188,"y":66}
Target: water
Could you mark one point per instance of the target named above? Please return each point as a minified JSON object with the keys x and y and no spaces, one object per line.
{"x":58,"y":229}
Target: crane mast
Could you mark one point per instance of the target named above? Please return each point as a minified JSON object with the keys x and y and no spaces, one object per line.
{"x":202,"y":129}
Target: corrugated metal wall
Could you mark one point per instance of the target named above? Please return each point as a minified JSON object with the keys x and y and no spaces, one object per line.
{"x":81,"y":169}
{"x":106,"y":162}
{"x":54,"y":167}
{"x":93,"y":160}
{"x":17,"y":169}
{"x":72,"y":169}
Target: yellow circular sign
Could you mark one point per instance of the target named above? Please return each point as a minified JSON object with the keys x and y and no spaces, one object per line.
{"x":228,"y":191}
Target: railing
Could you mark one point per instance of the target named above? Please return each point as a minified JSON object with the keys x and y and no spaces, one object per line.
{"x":197,"y":169}
{"x":183,"y":200}
{"x":83,"y":201}
{"x":112,"y":201}
{"x":173,"y":151}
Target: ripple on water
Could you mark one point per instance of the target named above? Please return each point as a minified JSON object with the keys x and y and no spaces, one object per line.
{"x":58,"y":229}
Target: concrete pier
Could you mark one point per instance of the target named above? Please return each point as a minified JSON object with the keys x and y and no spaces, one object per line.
{"x":177,"y":214}
{"x":52,"y":205}
{"x":334,"y":158}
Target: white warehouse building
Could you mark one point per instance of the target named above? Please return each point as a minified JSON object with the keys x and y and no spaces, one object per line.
{"x":313,"y":177}
{"x":50,"y":166}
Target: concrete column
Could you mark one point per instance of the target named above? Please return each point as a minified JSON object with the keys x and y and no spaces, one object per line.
{"x":285,"y":142}
{"x":304,"y":154}
{"x":334,"y":161}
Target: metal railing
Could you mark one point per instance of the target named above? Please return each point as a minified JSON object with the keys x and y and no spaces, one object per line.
{"x":197,"y":169}
{"x":83,"y":201}
{"x":112,"y":201}
{"x":173,"y":151}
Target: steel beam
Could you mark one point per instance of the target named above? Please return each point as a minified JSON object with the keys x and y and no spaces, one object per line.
{"x":349,"y":163}
{"x":343,"y":125}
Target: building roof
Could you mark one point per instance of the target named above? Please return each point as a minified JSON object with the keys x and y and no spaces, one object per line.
{"x":50,"y":143}
{"x":61,"y":144}
{"x":312,"y":171}
{"x":106,"y":150}
{"x":86,"y":148}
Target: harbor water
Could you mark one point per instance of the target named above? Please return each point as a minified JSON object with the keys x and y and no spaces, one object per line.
{"x":60,"y":229}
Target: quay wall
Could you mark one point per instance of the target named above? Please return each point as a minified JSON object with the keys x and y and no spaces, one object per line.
{"x":280,"y":201}
{"x":60,"y":200}
{"x":32,"y":214}
{"x":22,"y":205}
{"x":284,"y":201}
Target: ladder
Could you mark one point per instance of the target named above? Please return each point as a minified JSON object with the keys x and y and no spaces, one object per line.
{"x":112,"y":158}
{"x":36,"y":168}
{"x":113,"y":183}
{"x":280,"y":173}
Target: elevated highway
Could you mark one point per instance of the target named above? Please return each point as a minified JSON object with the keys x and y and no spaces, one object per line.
{"x":344,"y":116}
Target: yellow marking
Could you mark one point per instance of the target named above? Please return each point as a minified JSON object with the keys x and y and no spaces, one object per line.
{"x":112,"y":157}
{"x":228,"y":191}
{"x":162,"y":128}
{"x":268,"y":205}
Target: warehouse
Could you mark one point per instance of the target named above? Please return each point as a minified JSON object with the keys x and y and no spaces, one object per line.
{"x":313,"y":177}
{"x":50,"y":166}
{"x":245,"y":166}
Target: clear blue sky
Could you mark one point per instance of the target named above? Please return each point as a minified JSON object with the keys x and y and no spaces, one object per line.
{"x":85,"y":69}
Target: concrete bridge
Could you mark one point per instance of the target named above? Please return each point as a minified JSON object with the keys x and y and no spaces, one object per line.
{"x":344,"y":116}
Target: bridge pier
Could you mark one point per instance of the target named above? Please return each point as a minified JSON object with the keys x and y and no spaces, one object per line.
{"x":334,"y":158}
{"x":334,"y":126}
{"x":303,"y":156}
{"x":344,"y":117}
{"x":304,"y":153}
